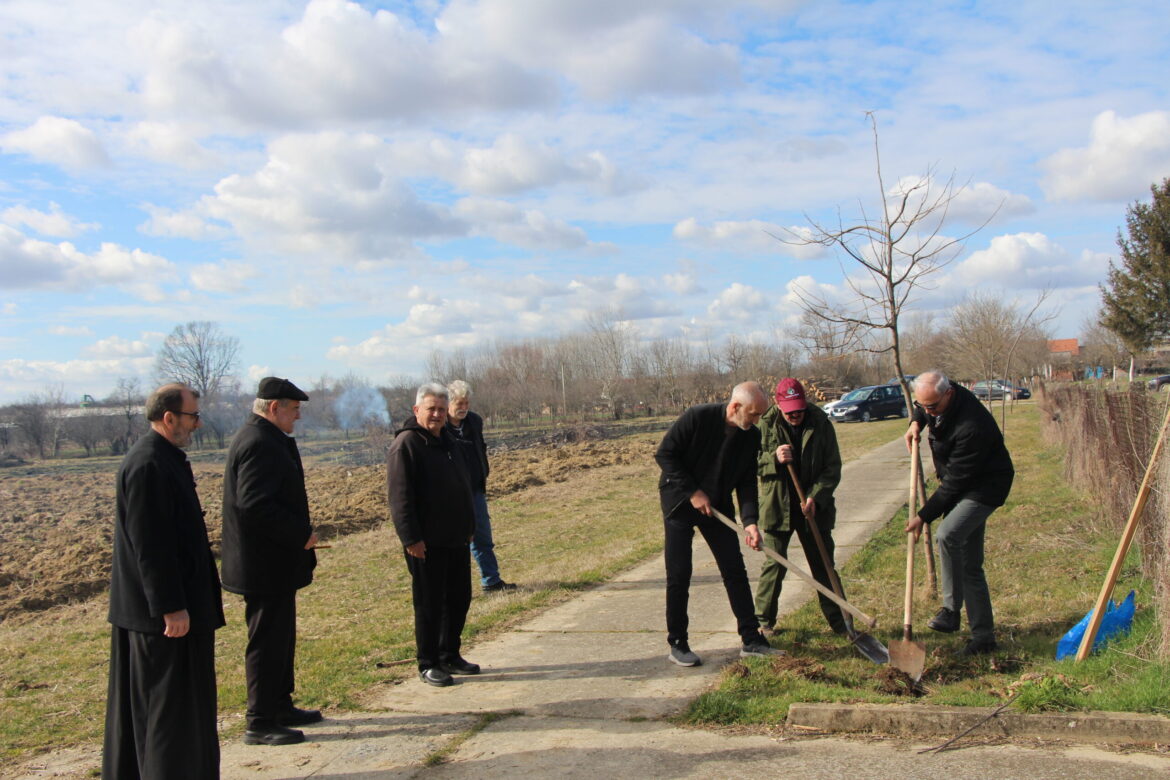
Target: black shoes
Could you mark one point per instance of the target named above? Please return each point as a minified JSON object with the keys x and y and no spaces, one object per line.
{"x":459,"y":665}
{"x":273,"y":734}
{"x":946,"y":621}
{"x":498,"y":587}
{"x":295,"y":716}
{"x":436,"y":676}
{"x":979,"y":647}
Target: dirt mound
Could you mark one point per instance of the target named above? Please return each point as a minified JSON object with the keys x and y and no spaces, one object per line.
{"x":56,"y":519}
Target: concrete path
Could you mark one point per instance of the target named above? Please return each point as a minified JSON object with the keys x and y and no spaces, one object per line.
{"x":583,"y":689}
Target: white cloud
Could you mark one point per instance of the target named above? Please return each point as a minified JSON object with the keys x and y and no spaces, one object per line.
{"x":29,"y":263}
{"x":681,"y":283}
{"x":8,"y":309}
{"x":326,"y":195}
{"x":749,"y":236}
{"x":514,"y":164}
{"x":59,"y":141}
{"x":70,"y":330}
{"x":255,"y":373}
{"x":1124,"y":156}
{"x":607,"y":49}
{"x":527,"y":228}
{"x":225,"y":277}
{"x":739,"y":302}
{"x":116,"y":347}
{"x":1023,"y":261}
{"x":192,"y":223}
{"x":54,"y":222}
{"x":169,"y":143}
{"x":976,"y":203}
{"x":96,"y":377}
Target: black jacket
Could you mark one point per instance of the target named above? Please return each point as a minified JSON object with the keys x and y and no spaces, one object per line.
{"x":969,"y":456}
{"x":265,"y":513}
{"x":471,"y":446}
{"x":702,"y":451}
{"x":162,"y":558}
{"x":430,"y":496}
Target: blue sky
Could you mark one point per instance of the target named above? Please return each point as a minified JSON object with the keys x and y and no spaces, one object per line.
{"x":346,"y":187}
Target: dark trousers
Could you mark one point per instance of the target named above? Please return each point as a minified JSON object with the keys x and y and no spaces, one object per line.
{"x":772,"y":573}
{"x":269,"y":658}
{"x":441,"y":587}
{"x":161,"y":707}
{"x":724,"y":544}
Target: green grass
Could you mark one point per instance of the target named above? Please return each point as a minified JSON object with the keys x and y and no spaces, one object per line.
{"x":1047,"y":555}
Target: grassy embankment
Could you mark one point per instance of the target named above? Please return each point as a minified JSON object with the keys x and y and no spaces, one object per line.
{"x":1047,"y":553}
{"x":355,"y":620}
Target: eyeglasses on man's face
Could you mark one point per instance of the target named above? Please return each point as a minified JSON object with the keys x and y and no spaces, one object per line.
{"x":795,"y":413}
{"x":189,"y":414}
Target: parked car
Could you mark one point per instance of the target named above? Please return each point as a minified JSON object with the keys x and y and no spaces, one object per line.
{"x":1158,"y":382}
{"x":870,"y":403}
{"x":997,"y":389}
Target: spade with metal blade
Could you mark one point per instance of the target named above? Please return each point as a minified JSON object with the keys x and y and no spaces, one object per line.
{"x":866,"y":644}
{"x":905,"y":653}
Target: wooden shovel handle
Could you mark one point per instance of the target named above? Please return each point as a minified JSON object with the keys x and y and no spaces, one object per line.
{"x":912,"y":510}
{"x":816,"y":533}
{"x":787,"y":564}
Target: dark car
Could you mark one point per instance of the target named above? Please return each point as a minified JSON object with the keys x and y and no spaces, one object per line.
{"x":1158,"y":382}
{"x":997,"y":389}
{"x":870,"y":403}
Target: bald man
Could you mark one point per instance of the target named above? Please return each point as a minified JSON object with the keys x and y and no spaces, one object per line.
{"x":709,"y":453}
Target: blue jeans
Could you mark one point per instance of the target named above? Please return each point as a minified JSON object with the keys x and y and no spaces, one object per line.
{"x":482,"y":547}
{"x":959,"y":538}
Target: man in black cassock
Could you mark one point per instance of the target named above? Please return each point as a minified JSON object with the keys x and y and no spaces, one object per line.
{"x":165,"y":605}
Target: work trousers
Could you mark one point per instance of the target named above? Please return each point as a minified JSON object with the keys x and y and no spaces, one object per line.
{"x":270,"y":655}
{"x":959,"y":538}
{"x":772,"y":574}
{"x":441,"y":587}
{"x":482,"y":546}
{"x":724,"y":545}
{"x":161,"y":708}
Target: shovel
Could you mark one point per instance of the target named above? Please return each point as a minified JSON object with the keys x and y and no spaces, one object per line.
{"x":787,"y":564}
{"x":865,"y":643}
{"x":905,"y":653}
{"x":927,"y":542}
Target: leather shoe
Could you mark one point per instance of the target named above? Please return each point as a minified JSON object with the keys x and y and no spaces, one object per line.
{"x":295,"y":716}
{"x":459,"y":665}
{"x":273,"y":734}
{"x":435,"y":676}
{"x":498,"y":587}
{"x":946,"y":621}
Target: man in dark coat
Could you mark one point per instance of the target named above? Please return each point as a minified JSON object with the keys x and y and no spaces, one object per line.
{"x":431,"y":505}
{"x":268,"y":555}
{"x":710,"y":451}
{"x":466,"y":428}
{"x":165,"y":606}
{"x":975,"y":476}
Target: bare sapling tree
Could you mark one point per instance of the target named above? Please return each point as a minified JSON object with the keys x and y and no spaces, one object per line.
{"x":985,"y":335}
{"x":895,"y":252}
{"x":203,"y":357}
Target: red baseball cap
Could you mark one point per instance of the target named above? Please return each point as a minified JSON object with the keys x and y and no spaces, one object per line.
{"x":790,"y":395}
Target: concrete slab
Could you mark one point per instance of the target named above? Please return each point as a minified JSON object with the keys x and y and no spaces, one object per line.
{"x":589,"y":749}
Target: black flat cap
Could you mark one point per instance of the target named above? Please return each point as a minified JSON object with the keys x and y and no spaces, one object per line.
{"x":274,"y":388}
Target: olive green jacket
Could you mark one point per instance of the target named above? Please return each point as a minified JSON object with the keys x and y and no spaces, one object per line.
{"x":819,"y":468}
